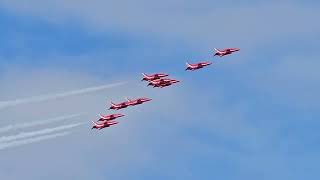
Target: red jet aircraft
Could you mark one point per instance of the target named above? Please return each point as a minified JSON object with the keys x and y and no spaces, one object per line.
{"x":109,"y":117}
{"x":133,"y":102}
{"x":225,"y":51}
{"x":103,"y":125}
{"x":153,"y":76}
{"x":162,"y":82}
{"x":196,"y":66}
{"x":119,"y":106}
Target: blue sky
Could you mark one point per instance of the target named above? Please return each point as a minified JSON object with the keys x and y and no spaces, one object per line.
{"x":250,"y":115}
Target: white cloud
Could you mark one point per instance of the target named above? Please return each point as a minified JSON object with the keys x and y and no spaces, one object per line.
{"x":211,"y":23}
{"x":23,"y":135}
{"x":112,"y":143}
{"x":48,"y":97}
{"x":135,"y":144}
{"x":31,"y":140}
{"x":167,"y":133}
{"x":24,"y":125}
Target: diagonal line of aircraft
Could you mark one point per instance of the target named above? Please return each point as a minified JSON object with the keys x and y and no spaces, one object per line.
{"x":157,"y":80}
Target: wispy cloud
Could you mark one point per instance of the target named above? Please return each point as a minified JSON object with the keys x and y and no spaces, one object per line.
{"x":37,"y":133}
{"x":205,"y":21}
{"x":31,"y":140}
{"x":42,"y":98}
{"x":38,"y":123}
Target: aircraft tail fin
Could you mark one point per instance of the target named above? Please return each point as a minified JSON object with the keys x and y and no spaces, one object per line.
{"x":144,"y":75}
{"x":188,"y":66}
{"x":217,"y":50}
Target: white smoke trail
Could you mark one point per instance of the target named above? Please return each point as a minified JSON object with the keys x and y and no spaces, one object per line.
{"x":41,"y":98}
{"x":38,"y":123}
{"x":23,"y":135}
{"x":31,"y":140}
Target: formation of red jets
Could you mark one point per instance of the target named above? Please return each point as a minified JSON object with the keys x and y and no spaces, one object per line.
{"x":159,"y":80}
{"x":109,"y":120}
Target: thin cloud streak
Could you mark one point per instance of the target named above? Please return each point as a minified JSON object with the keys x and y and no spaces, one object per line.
{"x":42,"y":98}
{"x":38,"y":123}
{"x":23,"y":135}
{"x":31,"y":140}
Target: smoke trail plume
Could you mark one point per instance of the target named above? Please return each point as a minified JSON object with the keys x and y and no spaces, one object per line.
{"x":31,"y":140}
{"x":23,"y":135}
{"x":42,"y":98}
{"x":38,"y":123}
